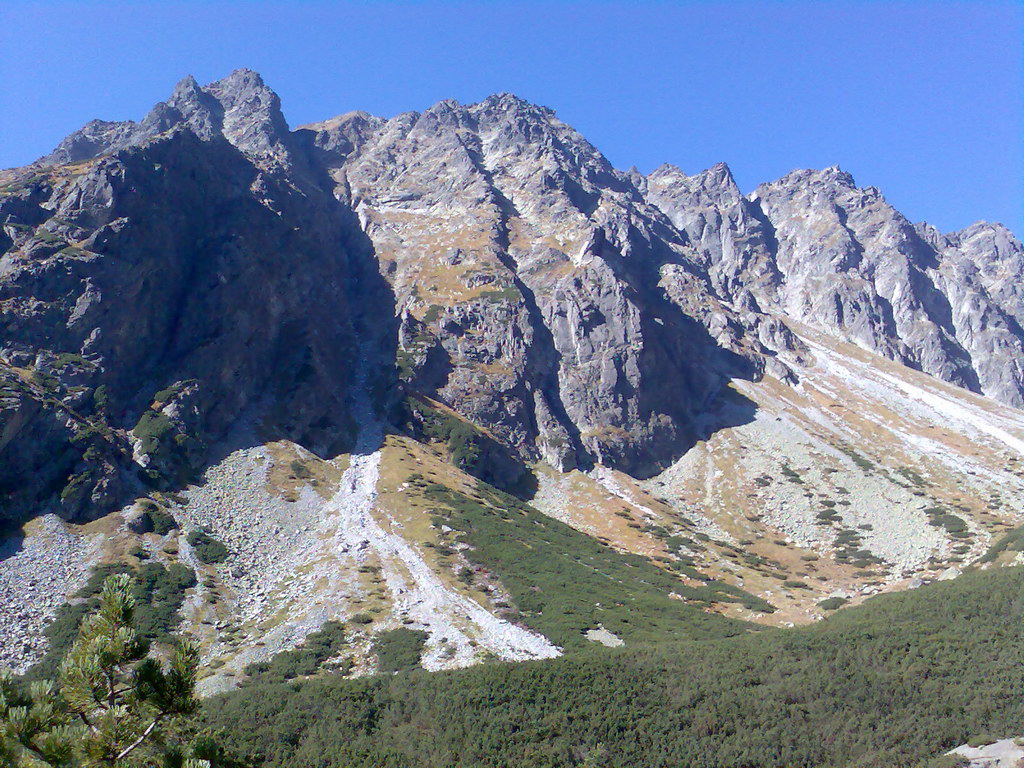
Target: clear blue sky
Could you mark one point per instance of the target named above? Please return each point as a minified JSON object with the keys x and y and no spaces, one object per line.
{"x":923,"y":100}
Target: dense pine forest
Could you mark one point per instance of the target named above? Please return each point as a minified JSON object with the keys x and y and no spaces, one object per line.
{"x":895,"y":682}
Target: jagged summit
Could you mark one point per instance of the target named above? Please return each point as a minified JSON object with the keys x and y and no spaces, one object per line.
{"x":244,"y":94}
{"x":239,"y":107}
{"x":503,"y":101}
{"x":831,"y":178}
{"x":512,"y":102}
{"x":717,"y":179}
{"x":186,"y":86}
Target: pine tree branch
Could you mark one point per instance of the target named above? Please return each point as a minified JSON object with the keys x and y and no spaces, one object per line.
{"x":145,"y":734}
{"x":27,"y":744}
{"x":112,"y":686}
{"x":88,"y":724}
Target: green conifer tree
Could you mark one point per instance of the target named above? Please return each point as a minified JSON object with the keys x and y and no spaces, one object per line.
{"x":113,"y":702}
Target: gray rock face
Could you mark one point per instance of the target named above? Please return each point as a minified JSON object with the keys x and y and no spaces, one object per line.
{"x":160,"y":279}
{"x":728,"y":230}
{"x":814,"y":247}
{"x":152,"y":296}
{"x":239,"y":108}
{"x":979,"y":270}
{"x":531,"y":277}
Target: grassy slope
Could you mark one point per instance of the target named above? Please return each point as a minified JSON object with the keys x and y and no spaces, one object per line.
{"x":564,"y":582}
{"x":890,"y":683}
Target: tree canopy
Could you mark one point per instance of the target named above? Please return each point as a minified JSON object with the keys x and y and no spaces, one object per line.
{"x":113,"y":703}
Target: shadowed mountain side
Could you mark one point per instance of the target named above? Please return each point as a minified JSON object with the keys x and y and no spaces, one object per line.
{"x":155,"y":296}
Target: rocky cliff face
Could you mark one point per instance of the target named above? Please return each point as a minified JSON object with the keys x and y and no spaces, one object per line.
{"x":814,"y":247}
{"x":539,"y":293}
{"x":163,"y":279}
{"x":159,"y":281}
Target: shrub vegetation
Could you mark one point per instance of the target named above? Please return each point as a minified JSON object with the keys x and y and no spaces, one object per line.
{"x":896,"y":681}
{"x":305,"y":660}
{"x":158,"y":591}
{"x":208,"y":549}
{"x":564,"y":582}
{"x":399,"y":649}
{"x":113,"y":705}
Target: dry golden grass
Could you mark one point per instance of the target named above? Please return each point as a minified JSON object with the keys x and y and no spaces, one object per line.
{"x":292,"y":467}
{"x":403,"y":510}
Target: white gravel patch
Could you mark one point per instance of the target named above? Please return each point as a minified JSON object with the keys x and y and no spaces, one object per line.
{"x":1004,"y":425}
{"x":605,"y":637}
{"x":269,"y":538}
{"x":37,"y":575}
{"x":555,"y":499}
{"x":283,"y":580}
{"x":1004,"y":753}
{"x":457,"y":626}
{"x":607,"y":479}
{"x":899,"y":534}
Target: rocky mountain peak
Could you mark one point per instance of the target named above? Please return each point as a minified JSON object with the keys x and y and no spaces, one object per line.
{"x":188,"y":105}
{"x":997,"y":240}
{"x":827,"y":182}
{"x":931,"y":235}
{"x":252,"y":117}
{"x":242,"y":79}
{"x":94,"y":138}
{"x":244,"y":95}
{"x":667,"y":171}
{"x":720,"y":173}
{"x":239,"y":107}
{"x":185,"y":88}
{"x":513,"y":120}
{"x":577,"y":312}
{"x":446,"y":115}
{"x":335,"y":138}
{"x":833,"y":175}
{"x":445,"y":106}
{"x":714,"y":185}
{"x":509,"y":102}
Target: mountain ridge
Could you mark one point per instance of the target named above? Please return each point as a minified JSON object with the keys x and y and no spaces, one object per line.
{"x":940,"y":303}
{"x":754,"y":395}
{"x":189,"y":86}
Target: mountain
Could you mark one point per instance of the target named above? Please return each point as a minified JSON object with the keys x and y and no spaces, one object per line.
{"x":814,"y":247}
{"x":451,"y":372}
